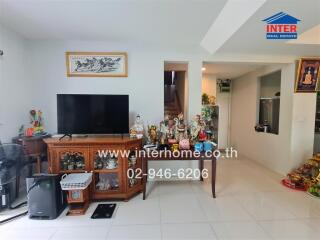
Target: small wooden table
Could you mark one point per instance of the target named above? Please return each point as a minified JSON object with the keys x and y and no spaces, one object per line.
{"x":200,"y":158}
{"x":34,"y":147}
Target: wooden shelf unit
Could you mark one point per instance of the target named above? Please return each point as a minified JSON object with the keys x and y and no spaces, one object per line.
{"x":79,"y":154}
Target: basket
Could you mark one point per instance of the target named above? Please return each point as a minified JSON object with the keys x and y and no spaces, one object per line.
{"x":76,"y":181}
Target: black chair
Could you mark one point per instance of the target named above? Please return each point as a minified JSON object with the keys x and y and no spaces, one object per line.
{"x":11,"y":162}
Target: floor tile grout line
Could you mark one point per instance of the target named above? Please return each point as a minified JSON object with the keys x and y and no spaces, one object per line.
{"x":159,"y":205}
{"x":161,"y":229}
{"x":214,"y":232}
{"x":204,"y":212}
{"x":255,"y":219}
{"x":111,"y":224}
{"x":53,"y":234}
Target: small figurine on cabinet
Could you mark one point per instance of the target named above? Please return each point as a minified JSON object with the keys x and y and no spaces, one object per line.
{"x":152,"y":132}
{"x":132,"y":160}
{"x":202,"y":134}
{"x":137,"y":130}
{"x":172,"y":131}
{"x":180,"y":128}
{"x":163,"y":131}
{"x":181,"y":124}
{"x":184,"y":144}
{"x":195,"y":128}
{"x":112,"y":162}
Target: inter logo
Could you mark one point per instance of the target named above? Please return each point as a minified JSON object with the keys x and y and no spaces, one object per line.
{"x":281,"y":26}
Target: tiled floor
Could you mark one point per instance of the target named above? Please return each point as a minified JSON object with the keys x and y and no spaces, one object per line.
{"x":250,"y":204}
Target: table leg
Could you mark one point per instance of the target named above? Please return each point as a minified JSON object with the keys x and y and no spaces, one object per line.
{"x":144,"y":177}
{"x":213,"y":176}
{"x":38,"y":164}
{"x":201,"y":168}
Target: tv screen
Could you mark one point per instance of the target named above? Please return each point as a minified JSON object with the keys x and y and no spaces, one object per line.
{"x":93,"y":114}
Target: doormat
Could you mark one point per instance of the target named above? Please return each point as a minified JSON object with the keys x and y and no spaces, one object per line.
{"x":104,"y":211}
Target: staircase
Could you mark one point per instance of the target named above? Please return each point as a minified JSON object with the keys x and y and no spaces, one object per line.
{"x":172,"y":108}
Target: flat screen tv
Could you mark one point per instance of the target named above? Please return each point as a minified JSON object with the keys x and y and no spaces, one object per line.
{"x":93,"y":114}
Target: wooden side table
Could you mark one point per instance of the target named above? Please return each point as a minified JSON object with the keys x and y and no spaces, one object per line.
{"x":200,"y":158}
{"x":34,"y":147}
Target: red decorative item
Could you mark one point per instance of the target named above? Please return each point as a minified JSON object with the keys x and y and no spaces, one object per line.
{"x":289,"y":184}
{"x":29,"y":132}
{"x":202,"y":136}
{"x":172,"y":141}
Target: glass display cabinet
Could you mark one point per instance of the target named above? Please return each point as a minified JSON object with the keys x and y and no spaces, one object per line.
{"x":99,"y":156}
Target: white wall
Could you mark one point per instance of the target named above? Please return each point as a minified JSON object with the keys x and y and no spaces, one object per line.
{"x":209,"y":84}
{"x":278,"y":152}
{"x":33,"y":72}
{"x":224,"y":102}
{"x":16,"y":89}
{"x":144,"y":83}
{"x":303,"y":124}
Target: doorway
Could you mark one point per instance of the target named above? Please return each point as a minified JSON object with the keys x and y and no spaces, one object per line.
{"x":175,"y":89}
{"x":217,"y":79}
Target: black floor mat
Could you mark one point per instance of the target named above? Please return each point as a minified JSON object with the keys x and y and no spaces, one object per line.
{"x":104,"y":211}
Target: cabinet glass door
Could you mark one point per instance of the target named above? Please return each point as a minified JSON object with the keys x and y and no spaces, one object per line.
{"x":72,"y":161}
{"x":106,"y":182}
{"x":105,"y":161}
{"x":134,"y":169}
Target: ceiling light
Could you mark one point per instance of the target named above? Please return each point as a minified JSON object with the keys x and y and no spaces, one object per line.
{"x":233,"y":15}
{"x":203,"y":68}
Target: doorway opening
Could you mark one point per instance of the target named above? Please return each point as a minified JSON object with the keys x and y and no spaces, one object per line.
{"x":269,"y":102}
{"x":175,"y":89}
{"x":217,"y":78}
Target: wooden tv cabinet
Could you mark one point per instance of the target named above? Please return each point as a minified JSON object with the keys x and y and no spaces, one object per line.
{"x":80,"y":154}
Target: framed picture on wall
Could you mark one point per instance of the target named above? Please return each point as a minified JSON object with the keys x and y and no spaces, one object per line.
{"x":308,"y":75}
{"x":97,"y":64}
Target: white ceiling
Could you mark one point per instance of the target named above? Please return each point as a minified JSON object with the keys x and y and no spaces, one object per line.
{"x":250,"y":38}
{"x":176,"y":22}
{"x":312,"y":36}
{"x":229,"y":70}
{"x":159,"y":22}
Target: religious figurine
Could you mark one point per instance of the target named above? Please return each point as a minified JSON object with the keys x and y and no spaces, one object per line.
{"x":152,"y":131}
{"x":195,"y":128}
{"x":308,"y":78}
{"x":180,"y":128}
{"x":137,"y":130}
{"x":171,"y":130}
{"x":175,"y":128}
{"x":202,"y":133}
{"x":163,"y":131}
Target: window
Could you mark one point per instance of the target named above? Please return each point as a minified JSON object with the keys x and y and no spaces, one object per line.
{"x":269,"y":102}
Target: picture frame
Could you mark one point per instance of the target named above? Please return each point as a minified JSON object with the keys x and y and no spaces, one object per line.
{"x":308,"y":75}
{"x":97,"y":64}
